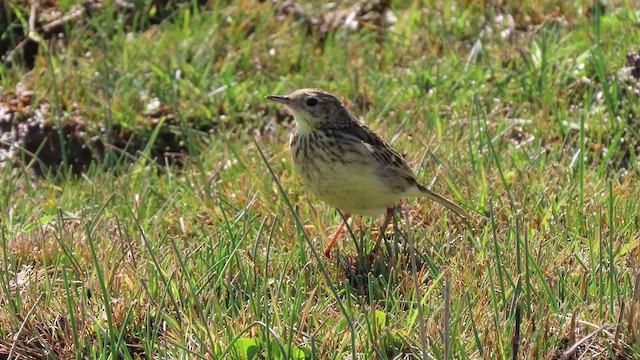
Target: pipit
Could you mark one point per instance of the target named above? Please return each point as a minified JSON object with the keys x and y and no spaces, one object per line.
{"x":346,"y":164}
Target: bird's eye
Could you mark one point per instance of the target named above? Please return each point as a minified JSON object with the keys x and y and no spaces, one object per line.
{"x":312,"y":102}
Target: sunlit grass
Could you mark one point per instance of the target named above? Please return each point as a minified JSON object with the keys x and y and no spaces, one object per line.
{"x":529,"y":125}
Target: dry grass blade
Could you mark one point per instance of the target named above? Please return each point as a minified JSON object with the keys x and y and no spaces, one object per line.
{"x":570,"y":351}
{"x":616,"y":335}
{"x":27,"y":318}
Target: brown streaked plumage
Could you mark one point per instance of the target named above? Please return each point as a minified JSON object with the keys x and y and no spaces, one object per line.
{"x":346,"y":164}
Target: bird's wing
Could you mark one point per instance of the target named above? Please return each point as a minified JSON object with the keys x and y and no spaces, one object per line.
{"x":386,"y":157}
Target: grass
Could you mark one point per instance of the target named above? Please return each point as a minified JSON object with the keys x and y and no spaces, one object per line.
{"x":198,"y":240}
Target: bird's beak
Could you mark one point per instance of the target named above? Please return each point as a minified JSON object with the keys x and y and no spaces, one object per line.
{"x":283,"y":99}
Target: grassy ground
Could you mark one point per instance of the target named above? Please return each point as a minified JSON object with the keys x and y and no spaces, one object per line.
{"x":190,"y":236}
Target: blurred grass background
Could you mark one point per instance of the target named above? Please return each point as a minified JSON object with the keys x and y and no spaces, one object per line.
{"x":139,"y":218}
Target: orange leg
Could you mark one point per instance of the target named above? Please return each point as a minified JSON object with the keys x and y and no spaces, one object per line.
{"x":383,"y":228}
{"x":327,"y":251}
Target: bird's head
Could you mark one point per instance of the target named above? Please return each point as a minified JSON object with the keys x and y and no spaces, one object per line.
{"x":313,"y":108}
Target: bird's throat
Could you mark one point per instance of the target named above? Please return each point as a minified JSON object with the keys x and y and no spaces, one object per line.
{"x":303,"y":127}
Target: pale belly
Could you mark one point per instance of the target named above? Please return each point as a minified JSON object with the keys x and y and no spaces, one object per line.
{"x":353,"y":187}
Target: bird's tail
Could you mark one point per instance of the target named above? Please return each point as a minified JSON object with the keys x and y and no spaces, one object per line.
{"x":446,"y":202}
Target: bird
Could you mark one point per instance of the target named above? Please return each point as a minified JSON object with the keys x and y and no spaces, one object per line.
{"x":346,"y":164}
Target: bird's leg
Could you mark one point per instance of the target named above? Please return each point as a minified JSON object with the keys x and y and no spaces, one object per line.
{"x":383,"y":228}
{"x":327,"y":251}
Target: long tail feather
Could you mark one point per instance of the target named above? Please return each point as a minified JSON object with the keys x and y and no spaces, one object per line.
{"x":446,"y":202}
